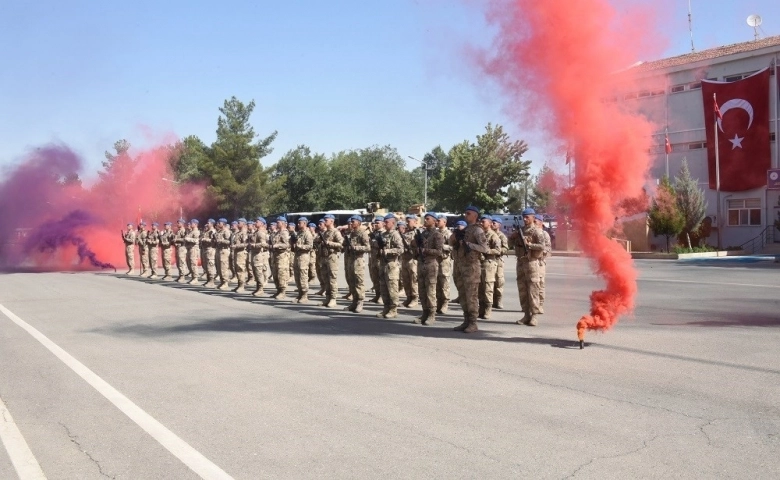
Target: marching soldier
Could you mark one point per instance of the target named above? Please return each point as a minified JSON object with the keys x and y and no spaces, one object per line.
{"x":238,"y":247}
{"x":303,"y":242}
{"x":445,"y":267}
{"x":153,"y":241}
{"x":490,"y":261}
{"x":143,"y":247}
{"x":181,"y":250}
{"x":428,"y":246}
{"x":469,"y":243}
{"x":390,"y":249}
{"x":280,"y":244}
{"x":232,"y":263}
{"x":128,"y":237}
{"x":222,"y":241}
{"x":356,"y":246}
{"x":374,"y":266}
{"x":166,"y":242}
{"x":409,"y":262}
{"x":313,"y":254}
{"x":529,"y":255}
{"x":460,"y":225}
{"x":318,"y":247}
{"x":539,"y":222}
{"x":498,"y":290}
{"x":208,"y":246}
{"x":259,"y":256}
{"x":332,"y":244}
{"x":191,"y":242}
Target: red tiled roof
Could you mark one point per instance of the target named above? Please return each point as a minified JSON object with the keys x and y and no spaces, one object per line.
{"x":711,"y":53}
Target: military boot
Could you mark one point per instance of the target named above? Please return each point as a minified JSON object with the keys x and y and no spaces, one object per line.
{"x":258,"y":292}
{"x":331,"y":303}
{"x":358,"y":307}
{"x":350,"y":308}
{"x":376,"y":299}
{"x":223,"y":286}
{"x":129,"y":272}
{"x":462,"y":326}
{"x":391,"y":314}
{"x":471,"y":327}
{"x":488,"y":310}
{"x":422,"y":318}
{"x":412,"y":302}
{"x":524,"y":320}
{"x":194,"y":281}
{"x":180,"y":279}
{"x":239,"y":288}
{"x":498,"y":306}
{"x":533,"y":321}
{"x":347,"y":297}
{"x":431,"y":318}
{"x":210,"y":283}
{"x":320,"y":292}
{"x":304,"y":298}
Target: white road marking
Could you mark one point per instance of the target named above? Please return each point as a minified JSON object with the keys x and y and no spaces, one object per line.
{"x":672,"y":280}
{"x":22,"y":458}
{"x":198,"y":463}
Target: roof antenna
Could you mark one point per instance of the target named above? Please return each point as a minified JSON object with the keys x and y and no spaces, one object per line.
{"x":755,"y":22}
{"x":690,"y":25}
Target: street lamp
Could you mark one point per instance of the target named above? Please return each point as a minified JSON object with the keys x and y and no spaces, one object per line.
{"x":181,"y":210}
{"x":425,"y":172}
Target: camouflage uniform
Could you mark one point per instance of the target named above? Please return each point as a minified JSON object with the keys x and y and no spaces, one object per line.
{"x":143,"y":249}
{"x":469,"y":265}
{"x":543,"y":265}
{"x":409,"y":269}
{"x":490,"y":261}
{"x":280,"y":243}
{"x":333,"y":243}
{"x":375,"y":266}
{"x":238,"y":247}
{"x":389,"y":272}
{"x":313,"y":258}
{"x":258,"y":252}
{"x":498,"y":290}
{"x":428,"y":244}
{"x":181,"y":253}
{"x":208,"y":247}
{"x":222,"y":241}
{"x":445,"y":272}
{"x":304,"y":242}
{"x":355,"y":271}
{"x":319,"y":258}
{"x":529,"y":267}
{"x":166,"y":242}
{"x":191,"y":241}
{"x":128,"y":238}
{"x":153,"y":242}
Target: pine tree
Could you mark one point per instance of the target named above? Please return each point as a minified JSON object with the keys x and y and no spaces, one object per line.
{"x":665,"y":217}
{"x":690,"y":200}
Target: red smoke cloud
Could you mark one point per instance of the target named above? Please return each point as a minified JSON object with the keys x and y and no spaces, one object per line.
{"x":555,"y":61}
{"x":53,"y":224}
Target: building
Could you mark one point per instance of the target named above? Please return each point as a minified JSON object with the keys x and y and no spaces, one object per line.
{"x":669,"y":92}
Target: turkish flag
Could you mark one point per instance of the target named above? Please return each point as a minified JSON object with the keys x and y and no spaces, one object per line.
{"x":743,"y":131}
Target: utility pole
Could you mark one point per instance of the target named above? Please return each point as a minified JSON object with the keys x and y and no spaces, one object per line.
{"x":425,"y":188}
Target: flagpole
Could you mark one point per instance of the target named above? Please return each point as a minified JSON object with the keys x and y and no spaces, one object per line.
{"x":666,"y":142}
{"x":717,"y":173}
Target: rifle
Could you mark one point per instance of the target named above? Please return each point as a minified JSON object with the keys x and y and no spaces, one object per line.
{"x":460,"y":235}
{"x":293,"y":240}
{"x":520,"y":234}
{"x":347,"y":243}
{"x":418,"y":237}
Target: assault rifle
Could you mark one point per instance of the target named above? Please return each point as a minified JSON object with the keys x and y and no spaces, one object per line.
{"x":519,"y":231}
{"x":293,"y":239}
{"x":418,"y":237}
{"x":460,"y":235}
{"x":347,"y":243}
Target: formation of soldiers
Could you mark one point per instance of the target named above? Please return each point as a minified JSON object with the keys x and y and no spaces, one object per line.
{"x":400,"y":254}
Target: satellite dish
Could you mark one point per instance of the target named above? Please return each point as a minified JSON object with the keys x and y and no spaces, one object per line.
{"x":754,"y":20}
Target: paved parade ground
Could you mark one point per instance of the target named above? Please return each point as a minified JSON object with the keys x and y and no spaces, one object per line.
{"x":104,"y":375}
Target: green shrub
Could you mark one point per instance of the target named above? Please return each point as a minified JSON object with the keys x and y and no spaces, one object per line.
{"x":706,"y":248}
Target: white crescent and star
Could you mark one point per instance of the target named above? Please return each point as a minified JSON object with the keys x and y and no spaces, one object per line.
{"x":732,"y":104}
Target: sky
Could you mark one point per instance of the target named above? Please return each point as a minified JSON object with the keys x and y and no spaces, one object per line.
{"x":335,"y":75}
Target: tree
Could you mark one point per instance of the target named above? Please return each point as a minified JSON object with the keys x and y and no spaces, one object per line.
{"x":690,"y":200}
{"x":119,"y":166}
{"x":665,"y":217}
{"x":302,"y":176}
{"x":239,"y":183}
{"x":189,"y":159}
{"x":481,"y":172}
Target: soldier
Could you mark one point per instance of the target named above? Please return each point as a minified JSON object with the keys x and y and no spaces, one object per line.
{"x":428,"y":246}
{"x":390,"y":249}
{"x":181,"y":250}
{"x":313,"y":254}
{"x":238,"y":247}
{"x":153,"y":242}
{"x":222,"y":241}
{"x":128,"y":237}
{"x":344,"y":230}
{"x":233,"y":231}
{"x":208,"y":246}
{"x":539,"y":222}
{"x":251,"y":228}
{"x":490,"y":261}
{"x":143,"y":247}
{"x":400,"y":227}
{"x":332,"y":244}
{"x":303,"y":242}
{"x":498,"y":290}
{"x":291,"y":231}
{"x":356,"y":246}
{"x":280,"y":244}
{"x":409,"y":263}
{"x":320,"y":255}
{"x":374,"y":260}
{"x":460,"y":225}
{"x":529,"y":267}
{"x":191,"y":241}
{"x":445,"y":267}
{"x":469,"y":243}
{"x":259,"y":256}
{"x":166,"y":242}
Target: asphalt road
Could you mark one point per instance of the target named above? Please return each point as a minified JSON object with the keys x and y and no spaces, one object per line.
{"x":689,"y":387}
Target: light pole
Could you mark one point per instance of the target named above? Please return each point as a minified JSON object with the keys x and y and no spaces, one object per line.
{"x":181,"y":210}
{"x":425,"y":188}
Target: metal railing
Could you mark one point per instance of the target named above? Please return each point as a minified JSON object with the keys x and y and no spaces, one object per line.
{"x":761,"y":240}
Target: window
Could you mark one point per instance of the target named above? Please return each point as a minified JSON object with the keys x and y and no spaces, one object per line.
{"x":745,"y":212}
{"x":694,"y":86}
{"x":695,"y":146}
{"x":734,"y":78}
{"x":678,"y":88}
